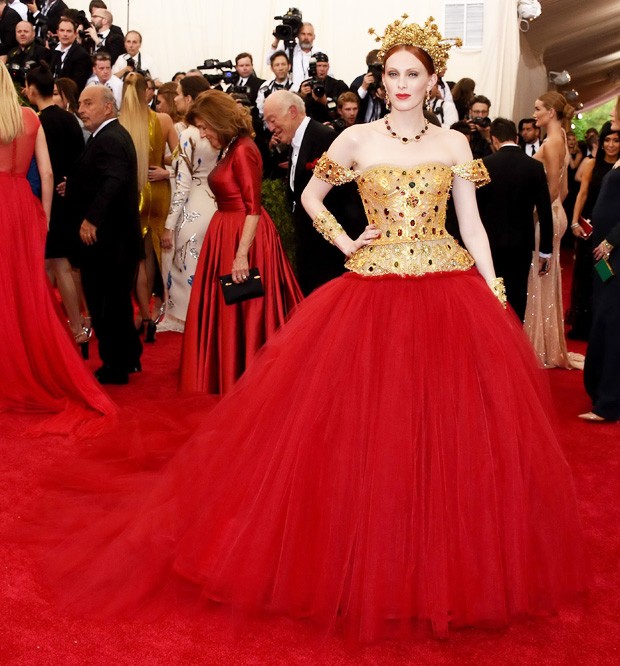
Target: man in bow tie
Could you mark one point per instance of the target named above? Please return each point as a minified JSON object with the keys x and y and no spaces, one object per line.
{"x":102,"y":35}
{"x":280,"y":66}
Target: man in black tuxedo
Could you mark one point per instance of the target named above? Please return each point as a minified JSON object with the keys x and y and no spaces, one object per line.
{"x":369,"y":89}
{"x":103,"y":37}
{"x":69,"y":59}
{"x":102,"y":197}
{"x":244,"y":65}
{"x":317,"y":261}
{"x":518,"y":184}
{"x":45,"y":15}
{"x":9,"y":19}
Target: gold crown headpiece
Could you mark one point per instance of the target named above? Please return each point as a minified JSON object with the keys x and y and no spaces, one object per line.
{"x":426,"y":37}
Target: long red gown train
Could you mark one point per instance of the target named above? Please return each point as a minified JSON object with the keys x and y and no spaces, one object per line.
{"x":40,"y":368}
{"x":388,"y":460}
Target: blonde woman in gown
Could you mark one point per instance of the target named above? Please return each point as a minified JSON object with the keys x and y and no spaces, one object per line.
{"x":191,"y":210}
{"x":544,"y":315}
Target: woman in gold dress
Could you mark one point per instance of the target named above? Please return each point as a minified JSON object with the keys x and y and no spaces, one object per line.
{"x":150,"y":132}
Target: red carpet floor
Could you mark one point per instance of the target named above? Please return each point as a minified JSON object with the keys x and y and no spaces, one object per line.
{"x":33,"y":631}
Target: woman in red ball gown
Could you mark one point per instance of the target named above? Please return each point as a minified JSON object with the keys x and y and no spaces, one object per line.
{"x":220,"y":340}
{"x":40,"y":368}
{"x":388,"y":458}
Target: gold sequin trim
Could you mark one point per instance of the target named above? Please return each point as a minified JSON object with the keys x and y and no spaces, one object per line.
{"x":327,"y":225}
{"x":498,"y":288}
{"x":410,"y":258}
{"x":474,"y":171}
{"x":333,"y":173}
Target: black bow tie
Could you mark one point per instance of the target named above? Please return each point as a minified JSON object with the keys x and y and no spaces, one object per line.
{"x":100,"y":36}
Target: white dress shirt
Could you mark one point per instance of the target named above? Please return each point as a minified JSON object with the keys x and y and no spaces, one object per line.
{"x":20,"y":8}
{"x":114,"y":84}
{"x":296,"y":145}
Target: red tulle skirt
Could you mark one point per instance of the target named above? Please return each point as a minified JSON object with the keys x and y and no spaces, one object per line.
{"x":388,"y":461}
{"x":40,"y":368}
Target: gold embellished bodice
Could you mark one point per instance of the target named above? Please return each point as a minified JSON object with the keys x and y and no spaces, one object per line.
{"x":409,"y":207}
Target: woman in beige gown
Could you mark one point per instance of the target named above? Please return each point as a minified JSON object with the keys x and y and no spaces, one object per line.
{"x":544,"y":316}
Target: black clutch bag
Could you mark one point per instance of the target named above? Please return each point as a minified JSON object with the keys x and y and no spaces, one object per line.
{"x":236,"y":292}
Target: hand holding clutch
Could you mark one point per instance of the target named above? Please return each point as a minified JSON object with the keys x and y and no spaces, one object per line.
{"x":236,"y":292}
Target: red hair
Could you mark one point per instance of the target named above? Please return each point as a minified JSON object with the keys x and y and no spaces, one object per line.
{"x":416,"y":51}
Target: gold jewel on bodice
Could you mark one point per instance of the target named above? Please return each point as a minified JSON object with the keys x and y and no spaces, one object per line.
{"x":408,"y":205}
{"x":426,"y":37}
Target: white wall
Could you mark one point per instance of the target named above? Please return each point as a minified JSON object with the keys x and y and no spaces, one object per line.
{"x":181,"y":34}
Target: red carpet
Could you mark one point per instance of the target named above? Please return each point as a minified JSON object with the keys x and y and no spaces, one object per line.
{"x":33,"y":631}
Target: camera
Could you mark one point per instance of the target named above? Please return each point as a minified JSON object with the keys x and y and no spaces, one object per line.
{"x":223,"y":73}
{"x":318,"y":87}
{"x":290,"y":26}
{"x":132,"y":63}
{"x":376,"y":69}
{"x":481,"y":122}
{"x":18,"y":72}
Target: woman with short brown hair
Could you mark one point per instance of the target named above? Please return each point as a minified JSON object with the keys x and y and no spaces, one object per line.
{"x":220,"y":340}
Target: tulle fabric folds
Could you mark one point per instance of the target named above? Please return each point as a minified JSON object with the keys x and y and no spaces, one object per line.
{"x":40,"y":368}
{"x":387,"y":461}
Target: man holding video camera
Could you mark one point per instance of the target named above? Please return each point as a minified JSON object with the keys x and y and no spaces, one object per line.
{"x":480,"y":125}
{"x":297,"y":37}
{"x":320,"y":91}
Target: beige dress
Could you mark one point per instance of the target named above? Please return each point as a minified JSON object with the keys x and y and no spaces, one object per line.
{"x":544,"y":315}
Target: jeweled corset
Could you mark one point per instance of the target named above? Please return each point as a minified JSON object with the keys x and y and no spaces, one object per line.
{"x":409,"y":207}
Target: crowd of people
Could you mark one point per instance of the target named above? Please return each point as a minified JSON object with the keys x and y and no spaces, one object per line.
{"x":327,"y":456}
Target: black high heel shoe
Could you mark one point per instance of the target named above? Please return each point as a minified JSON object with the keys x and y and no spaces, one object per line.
{"x":151,"y":329}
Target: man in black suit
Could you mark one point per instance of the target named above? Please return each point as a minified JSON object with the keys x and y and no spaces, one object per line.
{"x":45,"y":15}
{"x":317,"y":261}
{"x":244,"y":65}
{"x":69,"y":59}
{"x":321,"y":92}
{"x":27,"y":54}
{"x":102,"y":197}
{"x":9,"y":19}
{"x":102,"y":36}
{"x":518,"y":184}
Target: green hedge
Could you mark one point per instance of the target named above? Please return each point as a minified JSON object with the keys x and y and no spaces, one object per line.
{"x":276,"y":204}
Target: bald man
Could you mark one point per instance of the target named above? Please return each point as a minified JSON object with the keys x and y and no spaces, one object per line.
{"x":102,"y":197}
{"x":317,"y":261}
{"x":26,"y":54}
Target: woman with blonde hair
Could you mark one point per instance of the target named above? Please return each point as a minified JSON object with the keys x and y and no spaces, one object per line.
{"x":220,"y":340}
{"x":39,"y":365}
{"x":150,"y":132}
{"x":544,"y":315}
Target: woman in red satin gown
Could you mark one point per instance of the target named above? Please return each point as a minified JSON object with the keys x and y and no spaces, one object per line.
{"x":40,"y":368}
{"x":389,"y":459}
{"x":221,"y":340}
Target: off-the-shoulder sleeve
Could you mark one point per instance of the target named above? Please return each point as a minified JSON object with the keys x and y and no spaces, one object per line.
{"x":474,"y":171}
{"x":333,"y":173}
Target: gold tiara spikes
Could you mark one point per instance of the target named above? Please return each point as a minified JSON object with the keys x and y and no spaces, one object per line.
{"x":426,"y":37}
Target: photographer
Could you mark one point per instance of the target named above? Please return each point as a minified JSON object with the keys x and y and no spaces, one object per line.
{"x":134,"y":60}
{"x":244,"y":64}
{"x":45,"y":15}
{"x":303,"y":49}
{"x":370,"y":90}
{"x":280,"y":66}
{"x":480,"y":125}
{"x":347,"y":105}
{"x":321,"y":91}
{"x":26,"y":54}
{"x":101,"y":35}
